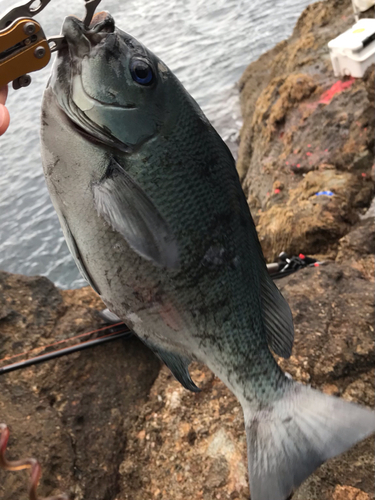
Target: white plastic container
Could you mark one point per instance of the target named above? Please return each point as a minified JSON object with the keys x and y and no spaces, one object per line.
{"x":353,"y":52}
{"x":363,"y":5}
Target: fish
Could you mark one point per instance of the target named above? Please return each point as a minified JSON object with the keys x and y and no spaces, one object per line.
{"x":152,"y":210}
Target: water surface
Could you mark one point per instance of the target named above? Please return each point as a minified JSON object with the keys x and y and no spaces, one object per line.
{"x":208,"y":44}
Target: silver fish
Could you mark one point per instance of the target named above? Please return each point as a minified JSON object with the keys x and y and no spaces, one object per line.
{"x":153,"y":212}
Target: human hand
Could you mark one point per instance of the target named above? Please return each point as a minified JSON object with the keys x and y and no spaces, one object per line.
{"x":4,"y":113}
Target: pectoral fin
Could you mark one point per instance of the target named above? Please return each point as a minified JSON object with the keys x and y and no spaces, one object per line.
{"x":129,"y":210}
{"x":179,"y":365}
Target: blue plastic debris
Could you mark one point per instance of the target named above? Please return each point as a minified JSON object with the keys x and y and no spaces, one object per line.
{"x":326,"y":193}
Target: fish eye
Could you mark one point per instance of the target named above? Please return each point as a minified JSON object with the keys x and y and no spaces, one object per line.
{"x":141,"y":72}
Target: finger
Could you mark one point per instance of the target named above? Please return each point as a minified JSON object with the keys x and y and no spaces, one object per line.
{"x":3,"y":94}
{"x":4,"y":119}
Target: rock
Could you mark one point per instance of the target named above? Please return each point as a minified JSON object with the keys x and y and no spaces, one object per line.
{"x":333,"y":312}
{"x":307,"y":132}
{"x":308,"y":223}
{"x":348,"y":493}
{"x":359,"y":242}
{"x":193,"y":449}
{"x":357,"y":248}
{"x":73,"y":413}
{"x":371,"y":211}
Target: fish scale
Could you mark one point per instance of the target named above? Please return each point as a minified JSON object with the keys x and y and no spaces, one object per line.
{"x":153,"y":212}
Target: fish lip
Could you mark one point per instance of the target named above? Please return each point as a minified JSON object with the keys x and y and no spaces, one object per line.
{"x":103,"y":21}
{"x":73,"y":31}
{"x":77,"y":34}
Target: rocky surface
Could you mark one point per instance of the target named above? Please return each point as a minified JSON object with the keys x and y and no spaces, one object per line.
{"x":72,"y":413}
{"x":108,"y":423}
{"x":348,"y":493}
{"x":304,"y":132}
{"x":357,"y":247}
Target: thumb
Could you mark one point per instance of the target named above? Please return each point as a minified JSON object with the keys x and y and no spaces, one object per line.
{"x":4,"y":119}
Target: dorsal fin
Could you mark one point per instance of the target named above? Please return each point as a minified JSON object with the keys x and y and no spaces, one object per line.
{"x":277,"y":317}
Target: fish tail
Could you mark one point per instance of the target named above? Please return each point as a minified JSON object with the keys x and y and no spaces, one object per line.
{"x":288,"y":439}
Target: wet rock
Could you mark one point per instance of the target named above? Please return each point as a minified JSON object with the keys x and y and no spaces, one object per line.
{"x":305,"y":132}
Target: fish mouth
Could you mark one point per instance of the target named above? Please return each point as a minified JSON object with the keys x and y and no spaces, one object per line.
{"x":81,"y":40}
{"x":93,"y":85}
{"x":69,"y":90}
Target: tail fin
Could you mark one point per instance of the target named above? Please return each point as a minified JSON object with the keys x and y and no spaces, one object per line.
{"x":288,"y":440}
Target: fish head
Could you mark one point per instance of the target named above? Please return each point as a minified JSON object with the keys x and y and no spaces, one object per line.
{"x":112,"y":88}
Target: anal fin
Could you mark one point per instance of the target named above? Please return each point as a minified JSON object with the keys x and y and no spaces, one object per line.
{"x":179,"y":365}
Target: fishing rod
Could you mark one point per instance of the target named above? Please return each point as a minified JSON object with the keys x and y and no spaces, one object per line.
{"x":62,"y":352}
{"x":118,"y":330}
{"x":288,"y":265}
